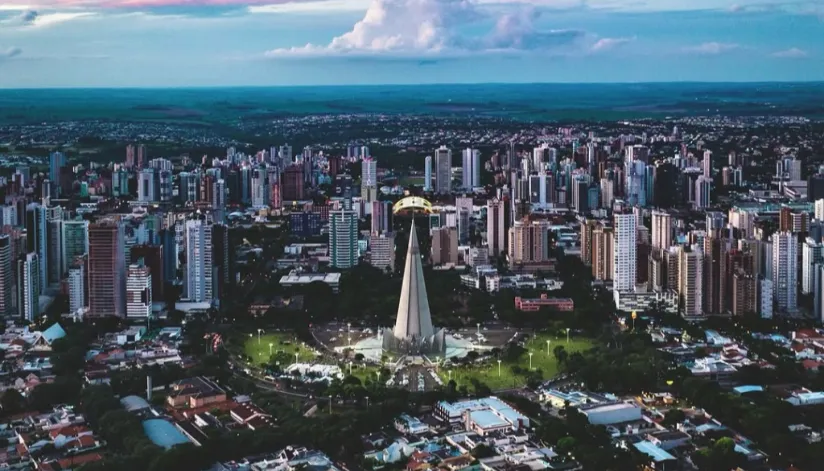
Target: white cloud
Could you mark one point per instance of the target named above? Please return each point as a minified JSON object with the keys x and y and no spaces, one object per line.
{"x":711,"y":48}
{"x":414,"y":28}
{"x":792,"y":53}
{"x":312,"y":6}
{"x":606,"y":44}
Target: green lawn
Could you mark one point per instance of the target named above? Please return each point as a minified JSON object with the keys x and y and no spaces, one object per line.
{"x":490,"y":374}
{"x":259,"y":350}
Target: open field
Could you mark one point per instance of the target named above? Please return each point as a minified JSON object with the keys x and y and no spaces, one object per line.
{"x":259,"y":350}
{"x":504,"y":378}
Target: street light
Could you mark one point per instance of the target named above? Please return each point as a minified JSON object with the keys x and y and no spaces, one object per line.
{"x":330,"y":404}
{"x":270,"y":348}
{"x":547,"y":347}
{"x":350,"y":368}
{"x":567,"y":334}
{"x":367,"y":402}
{"x":530,"y":360}
{"x":499,"y":368}
{"x":479,"y":328}
{"x":296,"y":357}
{"x":450,"y":375}
{"x":259,"y":332}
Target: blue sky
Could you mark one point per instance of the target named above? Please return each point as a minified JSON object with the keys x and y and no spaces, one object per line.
{"x":154,"y":43}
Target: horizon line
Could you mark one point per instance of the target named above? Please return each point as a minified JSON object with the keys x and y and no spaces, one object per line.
{"x":445,"y":84}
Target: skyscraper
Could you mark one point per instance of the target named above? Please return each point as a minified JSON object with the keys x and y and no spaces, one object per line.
{"x":75,"y":242}
{"x":496,"y":226}
{"x":56,"y":162}
{"x":77,"y":285}
{"x":528,"y":242}
{"x":199,"y":268}
{"x":706,"y":164}
{"x":54,"y":241}
{"x":690,"y":281}
{"x":6,"y":276}
{"x":714,"y":275}
{"x":661,"y":230}
{"x":152,"y":256}
{"x":427,"y":174}
{"x":107,"y":269}
{"x":443,"y":170}
{"x":624,"y":265}
{"x":812,"y":253}
{"x":444,"y":245}
{"x":343,"y":238}
{"x":37,"y":240}
{"x":147,"y":185}
{"x":28,"y":289}
{"x":369,"y":179}
{"x":471,"y":168}
{"x":138,"y":291}
{"x":382,"y":251}
{"x":784,"y":271}
{"x":603,"y":253}
{"x":703,"y":186}
{"x":221,"y":260}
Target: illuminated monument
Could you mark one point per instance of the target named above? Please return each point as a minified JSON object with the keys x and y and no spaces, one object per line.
{"x":413,"y":333}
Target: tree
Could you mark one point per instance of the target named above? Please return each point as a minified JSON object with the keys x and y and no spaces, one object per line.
{"x":483,"y":451}
{"x":560,"y":354}
{"x":12,"y":402}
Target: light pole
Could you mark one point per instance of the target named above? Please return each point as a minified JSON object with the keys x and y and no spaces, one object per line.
{"x":378,"y":375}
{"x":330,"y":404}
{"x":350,"y":368}
{"x":530,"y":360}
{"x":296,"y":357}
{"x":259,"y":332}
{"x":270,"y":348}
{"x":547,"y":347}
{"x":367,"y":402}
{"x":499,"y":368}
{"x":450,"y":375}
{"x":479,"y":329}
{"x":567,"y":334}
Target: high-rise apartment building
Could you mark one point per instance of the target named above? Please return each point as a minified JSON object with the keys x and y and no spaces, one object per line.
{"x":528,"y":242}
{"x":138,"y":291}
{"x":443,"y":170}
{"x":714,"y":275}
{"x":107,"y":269}
{"x":706,"y":164}
{"x":382,"y":250}
{"x":198,"y":276}
{"x":471,"y":168}
{"x":6,"y":276}
{"x":54,"y":240}
{"x":75,"y":242}
{"x":690,"y":281}
{"x":37,"y":240}
{"x":603,"y":253}
{"x":496,"y":226}
{"x":744,"y":294}
{"x":152,"y":256}
{"x":343,"y":238}
{"x":784,"y":271}
{"x":444,"y":245}
{"x":587,"y":232}
{"x":703,"y":186}
{"x":624,"y":255}
{"x":661,"y":230}
{"x":369,"y":179}
{"x":812,"y":253}
{"x":147,"y":185}
{"x":427,"y":174}
{"x":28,"y":289}
{"x":78,"y":295}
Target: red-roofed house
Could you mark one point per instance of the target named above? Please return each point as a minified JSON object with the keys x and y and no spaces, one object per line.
{"x":251,"y":416}
{"x":64,"y":435}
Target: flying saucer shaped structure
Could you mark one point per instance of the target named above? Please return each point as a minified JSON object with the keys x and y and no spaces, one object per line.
{"x":412,"y":204}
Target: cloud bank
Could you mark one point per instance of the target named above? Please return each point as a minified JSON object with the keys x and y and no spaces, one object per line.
{"x":711,"y":48}
{"x":792,"y":53}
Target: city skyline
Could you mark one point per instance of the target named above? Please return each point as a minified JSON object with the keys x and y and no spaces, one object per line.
{"x":156,"y":43}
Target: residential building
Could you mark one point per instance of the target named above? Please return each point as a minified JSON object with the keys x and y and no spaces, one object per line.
{"x":471,"y":169}
{"x":75,"y":242}
{"x":198,"y":276}
{"x":528,"y":242}
{"x":139,"y":291}
{"x":784,"y":271}
{"x":444,"y":245}
{"x":77,"y":285}
{"x":812,"y":253}
{"x":6,"y":277}
{"x":343,"y":238}
{"x":107,"y":269}
{"x":603,"y":253}
{"x":624,"y":254}
{"x":690,"y":281}
{"x":28,"y":287}
{"x":443,"y":170}
{"x":661,"y":230}
{"x":496,"y":227}
{"x":37,"y":239}
{"x":382,"y":251}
